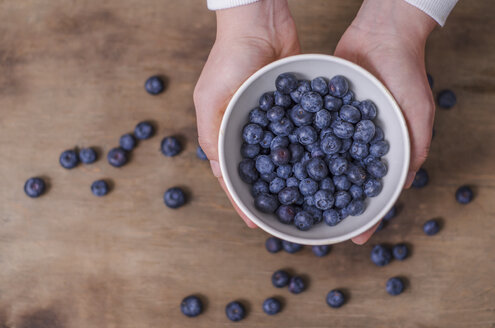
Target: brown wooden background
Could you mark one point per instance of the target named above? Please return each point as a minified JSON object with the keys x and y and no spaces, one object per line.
{"x":72,"y":73}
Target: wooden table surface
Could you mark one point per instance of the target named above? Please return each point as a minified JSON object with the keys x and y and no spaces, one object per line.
{"x":72,"y":74}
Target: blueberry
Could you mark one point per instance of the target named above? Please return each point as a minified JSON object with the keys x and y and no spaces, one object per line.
{"x":400,"y":251}
{"x":282,"y":128}
{"x":446,"y":99}
{"x":338,"y":165}
{"x":311,"y":101}
{"x":390,"y":214}
{"x":144,"y":130}
{"x":286,"y":83}
{"x":420,"y":179}
{"x":69,"y":159}
{"x":266,"y":203}
{"x":322,"y":119}
{"x":395,"y":286}
{"x":292,"y":137}
{"x":280,"y":156}
{"x":358,"y":150}
{"x":252,"y":133}
{"x":259,"y":187}
{"x":268,"y":177}
{"x":315,"y":150}
{"x":332,"y":103}
{"x":356,"y":192}
{"x":308,"y":187}
{"x":154,"y":85}
{"x":264,"y":164}
{"x":348,"y":98}
{"x":303,"y":221}
{"x":364,"y":131}
{"x":319,"y":85}
{"x":99,"y":188}
{"x":326,"y":132}
{"x":338,"y":86}
{"x":299,"y":170}
{"x":317,"y":169}
{"x":309,"y":200}
{"x":356,"y":104}
{"x":368,"y":159}
{"x":342,"y":198}
{"x":327,"y":184}
{"x":357,"y":175}
{"x":290,"y":247}
{"x":346,"y":145}
{"x":276,"y":185}
{"x":377,"y":168}
{"x":34,"y":187}
{"x":201,"y":154}
{"x":381,"y":255}
{"x":321,"y":250}
{"x":280,"y":278}
{"x":430,"y":80}
{"x":259,"y":117}
{"x":368,"y":110}
{"x":274,"y":114}
{"x":306,"y":157}
{"x":127,"y":142}
{"x":288,"y":195}
{"x":170,"y":146}
{"x":235,"y":311}
{"x":250,"y":151}
{"x":335,"y":298}
{"x":315,"y":213}
{"x":343,"y":213}
{"x":87,"y":155}
{"x":266,"y":101}
{"x":464,"y":195}
{"x":372,"y":187}
{"x":174,"y":197}
{"x":267,"y":139}
{"x":117,"y":157}
{"x":284,"y":171}
{"x":296,"y":285}
{"x":330,"y":144}
{"x":273,"y":244}
{"x":296,"y":152}
{"x":331,"y":217}
{"x":355,"y":207}
{"x":379,"y":135}
{"x":286,"y":214}
{"x":272,"y":306}
{"x":247,"y":171}
{"x":381,"y":226}
{"x":431,"y":227}
{"x":343,"y":129}
{"x":306,"y":135}
{"x":341,"y":182}
{"x":191,"y":306}
{"x":324,"y":200}
{"x":282,"y":100}
{"x":292,"y":182}
{"x":299,"y":116}
{"x":350,"y":114}
{"x":379,"y":148}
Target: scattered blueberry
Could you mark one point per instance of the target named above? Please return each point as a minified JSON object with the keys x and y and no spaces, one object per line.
{"x":280,"y":278}
{"x":381,"y":255}
{"x":464,"y":195}
{"x":87,"y":155}
{"x":127,"y":142}
{"x":99,"y":188}
{"x":430,"y":80}
{"x":390,"y":214}
{"x":446,"y":99}
{"x":321,"y":250}
{"x":34,"y":187}
{"x":290,"y":247}
{"x":154,"y":85}
{"x":400,"y":252}
{"x":170,"y":146}
{"x":431,"y":227}
{"x":421,"y":179}
{"x":272,"y":306}
{"x":144,"y":130}
{"x":117,"y":157}
{"x":296,"y":285}
{"x":273,"y":244}
{"x":395,"y":286}
{"x":69,"y":159}
{"x":235,"y":311}
{"x":191,"y":306}
{"x":201,"y":154}
{"x":335,"y":298}
{"x":174,"y":197}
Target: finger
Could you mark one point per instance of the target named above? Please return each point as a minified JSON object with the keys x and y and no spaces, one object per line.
{"x":248,"y":222}
{"x":365,"y":236}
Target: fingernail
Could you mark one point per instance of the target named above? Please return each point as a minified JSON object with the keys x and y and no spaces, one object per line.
{"x":410,"y":179}
{"x":215,"y":167}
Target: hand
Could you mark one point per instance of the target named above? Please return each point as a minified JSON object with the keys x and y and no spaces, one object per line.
{"x":388,"y":39}
{"x":248,"y":38}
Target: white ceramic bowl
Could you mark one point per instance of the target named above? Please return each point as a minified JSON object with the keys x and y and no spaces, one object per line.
{"x":365,"y":86}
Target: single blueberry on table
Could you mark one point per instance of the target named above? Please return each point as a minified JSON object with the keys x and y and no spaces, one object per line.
{"x":379,"y":135}
{"x":431,"y":227}
{"x":266,"y":203}
{"x":395,"y":286}
{"x":331,"y":217}
{"x":379,"y":148}
{"x":286,"y":214}
{"x":315,"y":213}
{"x":356,"y":192}
{"x":338,"y":165}
{"x":282,"y":100}
{"x":267,"y":100}
{"x":341,"y":182}
{"x":317,"y":169}
{"x":272,"y":306}
{"x":266,"y":140}
{"x":348,"y":98}
{"x":264,"y":164}
{"x":430,"y":80}
{"x":302,"y":87}
{"x":358,"y":150}
{"x":400,"y":251}
{"x":303,"y":221}
{"x":286,"y":83}
{"x":306,"y":135}
{"x":311,"y":101}
{"x":332,"y":103}
{"x":280,"y":278}
{"x":308,"y":187}
{"x":390,"y":214}
{"x":355,"y":207}
{"x":250,"y":151}
{"x":446,"y":99}
{"x":259,"y":117}
{"x":259,"y":187}
{"x":324,"y":200}
{"x":335,"y":299}
{"x":282,"y":128}
{"x":299,"y":170}
{"x":356,"y":175}
{"x":338,"y":86}
{"x":292,"y":182}
{"x":99,"y":188}
{"x":377,"y":168}
{"x":87,"y":155}
{"x":364,"y":131}
{"x":284,"y":171}
{"x":252,"y":133}
{"x":319,"y":84}
{"x":174,"y":197}
{"x":117,"y":157}
{"x":342,"y":129}
{"x":299,"y":116}
{"x":350,"y":114}
{"x":296,"y":285}
{"x":276,"y":185}
{"x":247,"y":171}
{"x":372,"y":187}
{"x":191,"y":306}
{"x":235,"y":311}
{"x":69,"y":159}
{"x":127,"y":142}
{"x":170,"y":146}
{"x":34,"y":187}
{"x":342,"y":198}
{"x":280,"y":156}
{"x":154,"y":85}
{"x":464,"y":195}
{"x":368,"y":110}
{"x":321,"y":250}
{"x":330,"y":144}
{"x":201,"y":154}
{"x":381,"y":255}
{"x":322,"y":119}
{"x":290,"y":247}
{"x":273,"y":244}
{"x":327,"y":184}
{"x":421,"y":179}
{"x":144,"y":130}
{"x":274,"y":114}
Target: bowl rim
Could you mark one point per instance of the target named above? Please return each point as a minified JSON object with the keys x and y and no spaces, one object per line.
{"x":251,"y":215}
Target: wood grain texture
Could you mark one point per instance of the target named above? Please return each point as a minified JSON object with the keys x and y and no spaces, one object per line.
{"x":72,"y":73}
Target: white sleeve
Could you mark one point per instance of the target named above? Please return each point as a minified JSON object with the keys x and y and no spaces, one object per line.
{"x":439,"y":10}
{"x":224,"y":4}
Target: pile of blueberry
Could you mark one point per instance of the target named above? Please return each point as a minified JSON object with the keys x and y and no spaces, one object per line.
{"x":312,"y":152}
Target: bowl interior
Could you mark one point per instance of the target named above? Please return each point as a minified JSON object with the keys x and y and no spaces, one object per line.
{"x":365,"y":86}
